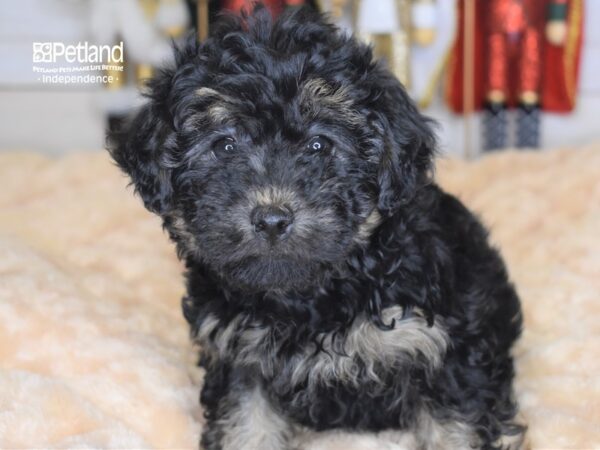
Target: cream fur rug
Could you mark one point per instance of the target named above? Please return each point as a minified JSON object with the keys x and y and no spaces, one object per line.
{"x":94,"y":351}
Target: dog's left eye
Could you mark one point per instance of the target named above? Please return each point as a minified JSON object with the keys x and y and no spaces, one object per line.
{"x":226,"y":145}
{"x":319,"y":144}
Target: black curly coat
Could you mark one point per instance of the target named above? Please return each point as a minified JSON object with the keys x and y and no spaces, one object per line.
{"x":382,"y":305}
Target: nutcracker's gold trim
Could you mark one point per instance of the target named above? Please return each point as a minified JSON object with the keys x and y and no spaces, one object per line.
{"x":469,"y":74}
{"x":443,"y":62}
{"x":529,"y":98}
{"x":354,"y":7}
{"x":118,"y":77}
{"x":496,"y":96}
{"x":202,"y":19}
{"x":393,"y":47}
{"x":556,"y":32}
{"x":570,"y":54}
{"x":422,"y":36}
{"x":143,"y":73}
{"x":402,"y":41}
{"x":174,"y":31}
{"x":150,"y":8}
{"x":337,"y":7}
{"x":320,"y":5}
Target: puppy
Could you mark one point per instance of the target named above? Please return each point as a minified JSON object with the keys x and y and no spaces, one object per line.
{"x":331,"y":284}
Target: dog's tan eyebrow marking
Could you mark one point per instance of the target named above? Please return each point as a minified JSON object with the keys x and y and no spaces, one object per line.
{"x":208,"y":92}
{"x":218,"y":111}
{"x":316,"y":94}
{"x":318,"y":88}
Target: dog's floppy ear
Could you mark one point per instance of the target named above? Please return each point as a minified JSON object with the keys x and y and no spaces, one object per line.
{"x":142,"y":144}
{"x":145,"y":145}
{"x":409,"y":146}
{"x":137,"y":148}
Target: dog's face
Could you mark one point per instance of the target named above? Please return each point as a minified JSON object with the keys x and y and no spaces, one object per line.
{"x":274,"y":150}
{"x":275,"y":183}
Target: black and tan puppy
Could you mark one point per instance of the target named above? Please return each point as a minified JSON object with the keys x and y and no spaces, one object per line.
{"x":331,"y":283}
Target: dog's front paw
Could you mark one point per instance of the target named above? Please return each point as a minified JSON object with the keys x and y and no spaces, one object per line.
{"x":336,"y":440}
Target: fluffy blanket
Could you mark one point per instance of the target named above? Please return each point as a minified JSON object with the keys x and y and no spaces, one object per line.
{"x":94,"y":351}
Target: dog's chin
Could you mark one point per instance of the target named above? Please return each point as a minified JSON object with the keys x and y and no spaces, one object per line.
{"x":260,"y":274}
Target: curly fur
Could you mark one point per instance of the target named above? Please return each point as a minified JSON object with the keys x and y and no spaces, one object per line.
{"x":384,"y":308}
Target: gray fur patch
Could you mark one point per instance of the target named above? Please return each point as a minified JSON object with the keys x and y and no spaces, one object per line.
{"x":427,"y":434}
{"x":251,"y":423}
{"x":365,"y":345}
{"x":433,"y":434}
{"x":366,"y":228}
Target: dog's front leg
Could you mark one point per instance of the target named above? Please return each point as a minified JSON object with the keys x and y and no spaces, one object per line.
{"x":246,"y":420}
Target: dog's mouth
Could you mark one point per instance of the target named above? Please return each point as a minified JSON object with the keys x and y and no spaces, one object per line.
{"x":271,"y":273}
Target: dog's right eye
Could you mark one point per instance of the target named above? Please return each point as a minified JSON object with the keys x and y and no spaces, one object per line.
{"x":225,"y":145}
{"x":319,"y":144}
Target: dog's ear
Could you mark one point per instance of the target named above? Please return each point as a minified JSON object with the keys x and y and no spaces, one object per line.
{"x":142,"y":144}
{"x":137,"y":147}
{"x":408,"y":146}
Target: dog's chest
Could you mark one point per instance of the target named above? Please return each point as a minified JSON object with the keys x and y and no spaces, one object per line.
{"x":363,"y":353}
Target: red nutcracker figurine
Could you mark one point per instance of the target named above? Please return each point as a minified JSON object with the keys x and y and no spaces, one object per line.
{"x":275,"y":6}
{"x":513,"y":45}
{"x":527,"y":53}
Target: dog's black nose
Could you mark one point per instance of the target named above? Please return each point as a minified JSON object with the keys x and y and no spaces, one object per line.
{"x":271,"y":222}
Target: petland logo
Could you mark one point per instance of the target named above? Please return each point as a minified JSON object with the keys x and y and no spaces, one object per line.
{"x":81,"y":63}
{"x":83,"y":53}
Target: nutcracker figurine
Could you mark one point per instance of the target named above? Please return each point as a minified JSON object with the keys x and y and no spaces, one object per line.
{"x":275,"y":6}
{"x":513,"y":45}
{"x":412,"y":36}
{"x":529,"y":51}
{"x":433,"y":31}
{"x":147,"y":28}
{"x":562,"y":55}
{"x":343,"y":12}
{"x":385,"y":24}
